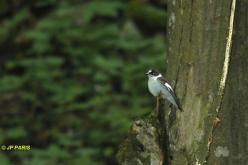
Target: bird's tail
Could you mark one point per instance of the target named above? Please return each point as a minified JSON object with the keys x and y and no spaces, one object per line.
{"x":178,"y":105}
{"x":180,"y":108}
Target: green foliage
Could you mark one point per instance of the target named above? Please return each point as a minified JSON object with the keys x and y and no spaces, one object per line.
{"x":10,"y":25}
{"x":92,"y":9}
{"x":73,"y":92}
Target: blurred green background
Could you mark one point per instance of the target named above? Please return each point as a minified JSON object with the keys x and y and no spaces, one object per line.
{"x":72,"y":76}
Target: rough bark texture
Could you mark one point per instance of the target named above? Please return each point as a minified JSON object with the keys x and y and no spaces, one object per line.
{"x":230,"y":139}
{"x":213,"y":128}
{"x":210,"y":78}
{"x":142,"y":147}
{"x":198,"y":32}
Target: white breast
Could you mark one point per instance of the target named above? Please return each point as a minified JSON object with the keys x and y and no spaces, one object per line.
{"x":165,"y":91}
{"x":154,"y":86}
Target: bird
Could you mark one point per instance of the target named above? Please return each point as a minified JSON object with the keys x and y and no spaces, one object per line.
{"x":159,"y":87}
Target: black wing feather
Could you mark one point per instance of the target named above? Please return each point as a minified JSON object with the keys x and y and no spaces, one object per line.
{"x":163,"y":82}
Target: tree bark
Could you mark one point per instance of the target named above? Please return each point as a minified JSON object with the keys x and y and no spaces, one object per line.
{"x":207,"y":65}
{"x":211,"y":80}
{"x":230,"y":139}
{"x":143,"y":146}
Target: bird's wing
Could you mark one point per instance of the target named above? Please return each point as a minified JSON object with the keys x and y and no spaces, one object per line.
{"x":165,"y":84}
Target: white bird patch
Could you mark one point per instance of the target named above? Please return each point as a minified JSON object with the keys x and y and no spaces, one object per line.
{"x":158,"y":76}
{"x":168,"y":86}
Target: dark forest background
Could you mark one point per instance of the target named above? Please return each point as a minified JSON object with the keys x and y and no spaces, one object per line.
{"x":72,"y":76}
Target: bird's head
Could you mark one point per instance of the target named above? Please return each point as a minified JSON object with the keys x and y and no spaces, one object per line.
{"x":152,"y":73}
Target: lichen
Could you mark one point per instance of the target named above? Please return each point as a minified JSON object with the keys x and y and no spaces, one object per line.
{"x":174,"y":2}
{"x":221,"y":151}
{"x":172,"y":20}
{"x":142,"y":145}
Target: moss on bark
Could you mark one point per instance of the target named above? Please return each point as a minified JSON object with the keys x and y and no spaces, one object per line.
{"x":142,"y":146}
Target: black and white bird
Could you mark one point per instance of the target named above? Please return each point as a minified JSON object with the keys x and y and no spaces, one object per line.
{"x":159,"y":87}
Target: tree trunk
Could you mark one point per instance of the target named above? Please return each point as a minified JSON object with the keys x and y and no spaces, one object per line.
{"x":208,"y":67}
{"x":230,"y":139}
{"x":211,"y":79}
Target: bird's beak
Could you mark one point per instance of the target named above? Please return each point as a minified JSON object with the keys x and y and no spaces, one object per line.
{"x":147,"y":73}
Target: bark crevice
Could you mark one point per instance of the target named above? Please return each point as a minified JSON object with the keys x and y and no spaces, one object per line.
{"x":223,"y":79}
